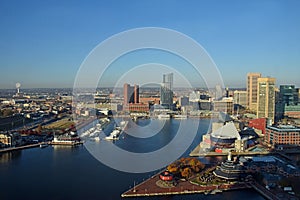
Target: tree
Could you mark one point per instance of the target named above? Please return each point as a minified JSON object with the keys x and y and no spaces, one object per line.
{"x":186,"y":173}
{"x":196,"y":165}
{"x":173,"y":168}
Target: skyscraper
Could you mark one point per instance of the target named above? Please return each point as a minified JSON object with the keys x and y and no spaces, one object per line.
{"x":287,"y":103}
{"x":266,"y":98}
{"x":136,"y":93}
{"x":289,"y":95}
{"x":240,"y":98}
{"x":166,"y":91}
{"x":219,"y":92}
{"x":252,"y":90}
{"x":131,"y":94}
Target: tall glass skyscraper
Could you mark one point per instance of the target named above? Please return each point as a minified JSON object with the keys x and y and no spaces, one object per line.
{"x":166,"y":91}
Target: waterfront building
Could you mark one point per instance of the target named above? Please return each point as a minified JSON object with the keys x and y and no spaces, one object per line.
{"x":183,"y":101}
{"x":259,"y":124}
{"x":137,"y":107}
{"x":10,"y":139}
{"x":224,"y":105}
{"x":132,"y":99}
{"x":282,"y":134}
{"x":240,"y":98}
{"x":225,"y":136}
{"x":166,"y":176}
{"x":230,"y":170}
{"x":266,"y":98}
{"x":149,"y":99}
{"x":166,"y":91}
{"x":131,"y":94}
{"x":70,"y":138}
{"x":206,"y":142}
{"x":252,"y":90}
{"x":205,"y":105}
{"x":194,"y":96}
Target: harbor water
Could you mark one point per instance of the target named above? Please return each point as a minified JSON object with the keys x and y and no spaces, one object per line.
{"x":62,"y":172}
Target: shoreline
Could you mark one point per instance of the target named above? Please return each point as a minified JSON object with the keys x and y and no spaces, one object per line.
{"x":20,"y":147}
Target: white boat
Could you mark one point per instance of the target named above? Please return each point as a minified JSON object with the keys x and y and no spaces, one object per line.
{"x":43,"y":145}
{"x":97,"y":139}
{"x":180,"y":116}
{"x":114,"y":135}
{"x":163,"y":116}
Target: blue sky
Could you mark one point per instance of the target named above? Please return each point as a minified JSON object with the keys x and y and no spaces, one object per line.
{"x":43,"y":43}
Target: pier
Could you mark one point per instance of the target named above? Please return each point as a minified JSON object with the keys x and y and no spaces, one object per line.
{"x":197,"y":152}
{"x":151,"y":188}
{"x":20,"y":147}
{"x":66,"y":143}
{"x":264,"y":192}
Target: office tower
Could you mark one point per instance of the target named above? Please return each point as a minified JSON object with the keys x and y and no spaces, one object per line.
{"x":240,"y":98}
{"x":136,"y":92}
{"x":289,"y":95}
{"x":131,"y":94}
{"x":252,"y":90}
{"x":166,"y":91}
{"x":266,"y":98}
{"x":219,"y":92}
{"x":288,"y":102}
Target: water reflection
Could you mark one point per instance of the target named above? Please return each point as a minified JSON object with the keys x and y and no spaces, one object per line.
{"x":9,"y":156}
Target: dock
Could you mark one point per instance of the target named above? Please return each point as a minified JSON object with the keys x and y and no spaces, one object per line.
{"x":198,"y":153}
{"x":19,"y":148}
{"x":66,"y":143}
{"x":264,"y":192}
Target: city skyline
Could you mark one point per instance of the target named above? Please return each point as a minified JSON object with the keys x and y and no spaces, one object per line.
{"x":43,"y":44}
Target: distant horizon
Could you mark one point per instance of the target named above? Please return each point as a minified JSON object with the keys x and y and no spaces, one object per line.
{"x":44,"y":44}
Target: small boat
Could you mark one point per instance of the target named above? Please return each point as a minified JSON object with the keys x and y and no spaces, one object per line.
{"x":43,"y":145}
{"x":97,"y":139}
{"x":163,"y":116}
{"x":114,"y":135}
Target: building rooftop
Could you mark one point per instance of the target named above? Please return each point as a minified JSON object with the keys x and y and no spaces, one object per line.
{"x":267,"y":159}
{"x":227,"y":131}
{"x":284,"y":128}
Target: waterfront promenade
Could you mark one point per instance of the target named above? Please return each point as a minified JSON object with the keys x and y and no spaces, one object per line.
{"x":197,"y":152}
{"x":150,"y":187}
{"x":20,"y":147}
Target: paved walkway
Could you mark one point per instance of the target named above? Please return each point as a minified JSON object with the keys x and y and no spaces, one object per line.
{"x":150,"y":188}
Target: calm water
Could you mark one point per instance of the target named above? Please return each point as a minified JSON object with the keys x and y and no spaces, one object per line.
{"x":73,"y":173}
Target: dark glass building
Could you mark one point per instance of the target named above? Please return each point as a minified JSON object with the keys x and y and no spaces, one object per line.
{"x":166,"y":91}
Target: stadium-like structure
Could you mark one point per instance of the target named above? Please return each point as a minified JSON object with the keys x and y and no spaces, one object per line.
{"x":225,"y":136}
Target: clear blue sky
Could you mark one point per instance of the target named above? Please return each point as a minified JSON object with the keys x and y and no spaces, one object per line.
{"x":43,"y":43}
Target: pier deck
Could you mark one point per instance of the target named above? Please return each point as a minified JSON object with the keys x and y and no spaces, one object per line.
{"x":19,"y":148}
{"x":198,"y":153}
{"x":150,"y":188}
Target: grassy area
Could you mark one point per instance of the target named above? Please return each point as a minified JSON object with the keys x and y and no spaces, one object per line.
{"x":61,"y":124}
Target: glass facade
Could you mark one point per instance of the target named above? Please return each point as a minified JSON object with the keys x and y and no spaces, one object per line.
{"x":166,"y":91}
